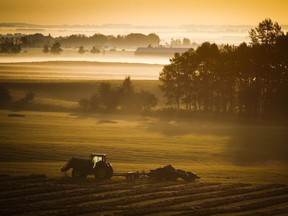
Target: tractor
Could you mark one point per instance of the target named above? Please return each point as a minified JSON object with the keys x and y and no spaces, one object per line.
{"x":96,"y":165}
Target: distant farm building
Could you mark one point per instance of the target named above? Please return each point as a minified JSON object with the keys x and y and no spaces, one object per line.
{"x":159,"y":51}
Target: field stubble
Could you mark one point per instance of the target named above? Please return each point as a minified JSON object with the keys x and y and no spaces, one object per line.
{"x":38,"y":195}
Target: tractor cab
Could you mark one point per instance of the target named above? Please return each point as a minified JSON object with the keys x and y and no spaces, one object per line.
{"x":95,"y":158}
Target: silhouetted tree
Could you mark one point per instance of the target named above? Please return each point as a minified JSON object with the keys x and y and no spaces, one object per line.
{"x":45,"y":49}
{"x":95,"y":50}
{"x":81,"y":50}
{"x":171,"y":84}
{"x":94,"y":102}
{"x":186,"y":42}
{"x":108,"y":97}
{"x":127,"y":86}
{"x":207,"y":54}
{"x":127,"y":96}
{"x":225,"y":85}
{"x":153,"y":39}
{"x":281,"y":55}
{"x":148,"y":100}
{"x":56,"y":48}
{"x":265,"y":33}
{"x":175,"y":43}
{"x":10,"y":45}
{"x":267,"y":67}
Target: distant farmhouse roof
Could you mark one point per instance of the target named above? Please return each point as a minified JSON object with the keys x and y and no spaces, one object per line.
{"x":159,"y":51}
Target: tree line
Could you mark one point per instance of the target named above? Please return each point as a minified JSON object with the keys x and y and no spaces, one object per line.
{"x":55,"y":48}
{"x":105,"y":41}
{"x":249,"y":80}
{"x":107,"y":98}
{"x":10,"y":45}
{"x":98,"y":40}
{"x":124,"y":97}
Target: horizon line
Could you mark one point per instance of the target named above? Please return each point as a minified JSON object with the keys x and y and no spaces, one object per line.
{"x":12,"y":24}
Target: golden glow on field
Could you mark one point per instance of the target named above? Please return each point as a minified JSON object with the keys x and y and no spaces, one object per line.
{"x":42,"y":142}
{"x":143,"y":12}
{"x":78,"y":71}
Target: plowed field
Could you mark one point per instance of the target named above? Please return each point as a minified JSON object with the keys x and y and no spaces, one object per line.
{"x":39,"y":195}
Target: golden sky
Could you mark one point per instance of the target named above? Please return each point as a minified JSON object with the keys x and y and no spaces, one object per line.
{"x":143,"y":12}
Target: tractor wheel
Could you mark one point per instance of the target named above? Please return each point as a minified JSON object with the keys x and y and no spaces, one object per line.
{"x":103,"y":171}
{"x":77,"y":173}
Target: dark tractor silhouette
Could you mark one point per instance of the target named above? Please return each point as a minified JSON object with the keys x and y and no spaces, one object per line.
{"x":96,"y":165}
{"x":169,"y":173}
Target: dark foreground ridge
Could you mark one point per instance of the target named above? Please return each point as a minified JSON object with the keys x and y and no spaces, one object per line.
{"x":39,"y":195}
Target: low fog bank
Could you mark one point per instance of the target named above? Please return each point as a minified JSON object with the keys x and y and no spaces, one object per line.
{"x":77,"y":71}
{"x":36,"y":55}
{"x":244,"y":144}
{"x":260,"y":145}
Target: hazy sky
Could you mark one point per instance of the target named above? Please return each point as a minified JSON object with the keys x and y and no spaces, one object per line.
{"x":143,"y":12}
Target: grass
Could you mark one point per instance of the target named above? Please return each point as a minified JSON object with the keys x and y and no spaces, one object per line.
{"x":41,"y":142}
